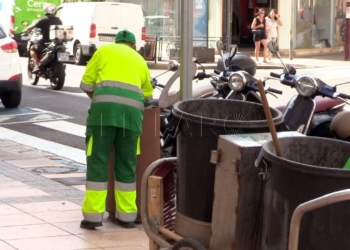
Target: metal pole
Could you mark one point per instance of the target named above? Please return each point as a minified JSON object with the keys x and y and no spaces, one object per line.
{"x":292,"y":31}
{"x":186,"y":51}
{"x":229,"y":24}
{"x":347,"y":33}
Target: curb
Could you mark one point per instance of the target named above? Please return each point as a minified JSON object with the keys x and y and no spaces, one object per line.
{"x":163,"y":66}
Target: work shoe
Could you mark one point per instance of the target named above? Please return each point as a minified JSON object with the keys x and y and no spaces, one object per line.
{"x":90,"y":225}
{"x":125,"y":224}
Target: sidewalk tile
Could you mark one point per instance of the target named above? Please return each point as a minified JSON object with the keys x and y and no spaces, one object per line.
{"x":108,"y":227}
{"x":53,"y":176}
{"x":36,"y":207}
{"x":4,"y":178}
{"x":7,"y":209}
{"x":5,"y":246}
{"x":31,"y":163}
{"x":21,"y":192}
{"x":18,"y":148}
{"x":117,"y":239}
{"x":144,"y":247}
{"x":18,"y":219}
{"x":30,"y":231}
{"x":60,"y":216}
{"x":52,"y":243}
{"x":80,"y":187}
{"x":11,"y":184}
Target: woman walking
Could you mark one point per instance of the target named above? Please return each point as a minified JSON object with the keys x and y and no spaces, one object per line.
{"x":273,"y":20}
{"x":259,"y":34}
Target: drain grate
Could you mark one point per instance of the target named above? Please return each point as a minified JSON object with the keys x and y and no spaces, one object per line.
{"x":53,"y":170}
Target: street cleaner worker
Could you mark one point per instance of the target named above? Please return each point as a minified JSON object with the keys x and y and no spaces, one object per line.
{"x":43,"y":24}
{"x":117,"y":80}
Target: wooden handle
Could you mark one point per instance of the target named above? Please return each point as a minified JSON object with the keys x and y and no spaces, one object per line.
{"x":269,"y":117}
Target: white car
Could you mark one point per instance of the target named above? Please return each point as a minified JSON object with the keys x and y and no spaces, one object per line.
{"x":10,"y":71}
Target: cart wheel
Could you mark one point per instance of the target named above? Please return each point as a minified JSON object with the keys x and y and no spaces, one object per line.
{"x":188,"y":244}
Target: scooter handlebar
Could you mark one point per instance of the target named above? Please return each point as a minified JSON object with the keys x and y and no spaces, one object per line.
{"x":216,"y":71}
{"x":275,"y":75}
{"x":276,"y":91}
{"x":345,"y":96}
{"x":223,"y":78}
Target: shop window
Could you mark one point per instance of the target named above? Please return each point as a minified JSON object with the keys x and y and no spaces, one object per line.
{"x":317,"y":26}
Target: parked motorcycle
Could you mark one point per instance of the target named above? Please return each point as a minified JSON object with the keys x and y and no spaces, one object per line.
{"x":237,"y":84}
{"x":52,"y":59}
{"x":313,"y":109}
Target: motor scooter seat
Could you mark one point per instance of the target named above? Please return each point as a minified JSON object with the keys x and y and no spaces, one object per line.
{"x":322,"y":104}
{"x":325,"y":103}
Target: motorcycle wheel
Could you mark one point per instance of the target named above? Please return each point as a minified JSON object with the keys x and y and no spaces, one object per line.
{"x":32,"y":78}
{"x":57,"y":81}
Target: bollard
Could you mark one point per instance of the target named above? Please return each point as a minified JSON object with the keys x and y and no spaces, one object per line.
{"x":150,"y":152}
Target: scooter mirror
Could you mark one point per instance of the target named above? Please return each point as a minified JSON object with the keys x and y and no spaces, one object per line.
{"x":233,"y":51}
{"x":291,"y":70}
{"x":195,"y":58}
{"x":273,"y":47}
{"x":219,"y":45}
{"x":173,"y":65}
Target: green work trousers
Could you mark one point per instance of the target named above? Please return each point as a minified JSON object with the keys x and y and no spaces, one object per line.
{"x":99,"y":140}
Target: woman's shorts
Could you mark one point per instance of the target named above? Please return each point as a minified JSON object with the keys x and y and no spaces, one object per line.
{"x":257,"y":38}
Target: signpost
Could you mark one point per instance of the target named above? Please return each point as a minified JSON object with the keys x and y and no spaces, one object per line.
{"x":186,"y":50}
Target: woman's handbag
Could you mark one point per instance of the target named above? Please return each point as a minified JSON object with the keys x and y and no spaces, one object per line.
{"x":256,"y":32}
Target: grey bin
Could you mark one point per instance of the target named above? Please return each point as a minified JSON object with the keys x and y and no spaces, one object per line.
{"x":200,"y":123}
{"x":311,"y":167}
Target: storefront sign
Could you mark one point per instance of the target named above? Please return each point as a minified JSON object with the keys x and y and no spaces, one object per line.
{"x":200,"y":22}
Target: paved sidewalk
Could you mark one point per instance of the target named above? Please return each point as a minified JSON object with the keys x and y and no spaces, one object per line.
{"x":317,"y":61}
{"x":40,"y":205}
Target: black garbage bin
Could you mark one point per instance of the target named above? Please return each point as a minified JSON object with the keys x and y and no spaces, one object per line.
{"x":200,"y":123}
{"x":311,"y":167}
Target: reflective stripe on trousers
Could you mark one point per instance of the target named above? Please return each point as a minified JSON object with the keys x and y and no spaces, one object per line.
{"x":94,"y":204}
{"x":125,"y":198}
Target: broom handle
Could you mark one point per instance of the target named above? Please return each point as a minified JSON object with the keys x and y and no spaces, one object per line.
{"x":269,"y":117}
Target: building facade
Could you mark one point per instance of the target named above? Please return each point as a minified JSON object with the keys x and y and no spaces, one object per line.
{"x":309,"y":25}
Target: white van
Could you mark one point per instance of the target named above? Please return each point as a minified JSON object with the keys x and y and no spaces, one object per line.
{"x":97,"y":23}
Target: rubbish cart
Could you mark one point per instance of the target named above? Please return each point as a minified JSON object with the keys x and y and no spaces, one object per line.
{"x":310,"y":167}
{"x":200,"y":122}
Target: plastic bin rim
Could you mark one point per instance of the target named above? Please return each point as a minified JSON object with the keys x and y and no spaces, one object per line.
{"x":278,"y":120}
{"x":302,"y":167}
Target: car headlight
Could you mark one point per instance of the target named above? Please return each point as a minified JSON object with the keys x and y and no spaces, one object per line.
{"x":306,"y":86}
{"x":236,"y":82}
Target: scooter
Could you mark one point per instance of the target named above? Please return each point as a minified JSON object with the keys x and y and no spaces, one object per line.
{"x":237,"y":84}
{"x":51,"y":61}
{"x":313,"y":109}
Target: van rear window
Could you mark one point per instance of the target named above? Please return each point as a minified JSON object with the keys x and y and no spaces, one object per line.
{"x":2,"y":33}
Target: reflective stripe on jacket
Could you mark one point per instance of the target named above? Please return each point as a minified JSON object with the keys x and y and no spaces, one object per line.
{"x":119,"y":78}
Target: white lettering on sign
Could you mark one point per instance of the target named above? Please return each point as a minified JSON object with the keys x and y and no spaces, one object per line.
{"x":35,"y":4}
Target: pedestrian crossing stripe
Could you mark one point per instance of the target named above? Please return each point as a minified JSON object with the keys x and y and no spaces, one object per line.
{"x":64,"y":126}
{"x":71,"y":153}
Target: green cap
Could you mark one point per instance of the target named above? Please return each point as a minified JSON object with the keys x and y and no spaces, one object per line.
{"x":125,"y":36}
